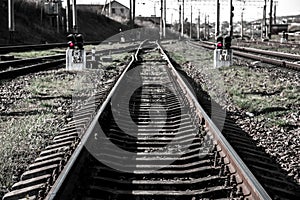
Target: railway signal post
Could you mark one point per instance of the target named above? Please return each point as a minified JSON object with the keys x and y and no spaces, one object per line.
{"x":75,"y":54}
{"x":223,"y":52}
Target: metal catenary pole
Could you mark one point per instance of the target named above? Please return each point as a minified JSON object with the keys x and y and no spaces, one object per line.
{"x":11,"y":16}
{"x":165,"y":18}
{"x":74,"y":11}
{"x":199,"y":24}
{"x":180,"y":22}
{"x":205,"y":28}
{"x":217,"y":29}
{"x":161,"y":19}
{"x":191,"y":24}
{"x":231,"y":18}
{"x":271,"y":20}
{"x":265,"y":19}
{"x":11,"y":20}
{"x":68,"y":16}
{"x":133,"y":12}
{"x":182,"y":19}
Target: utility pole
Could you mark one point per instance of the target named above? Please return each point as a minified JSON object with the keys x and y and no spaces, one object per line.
{"x":133,"y":13}
{"x":242,"y":25}
{"x":264,"y":28}
{"x":242,"y":21}
{"x":68,"y":17}
{"x":180,"y":22}
{"x":42,"y":9}
{"x":275,"y":10}
{"x":130,"y":13}
{"x":198,"y":26}
{"x":218,"y":19}
{"x":231,"y":18}
{"x":205,"y":28}
{"x":191,"y":25}
{"x":74,"y":10}
{"x":165,"y":18}
{"x":154,"y":8}
{"x":271,"y":20}
{"x":11,"y":19}
{"x":208,"y":31}
{"x":182,"y":19}
{"x":161,"y":19}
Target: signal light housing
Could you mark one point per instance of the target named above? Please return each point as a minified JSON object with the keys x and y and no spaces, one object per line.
{"x":219,"y":42}
{"x":227,"y":41}
{"x":75,"y":40}
{"x":79,"y":40}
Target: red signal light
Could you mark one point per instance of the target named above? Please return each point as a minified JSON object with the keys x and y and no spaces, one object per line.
{"x":219,"y":45}
{"x":71,"y":45}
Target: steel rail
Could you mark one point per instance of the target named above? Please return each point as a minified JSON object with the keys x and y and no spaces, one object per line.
{"x":281,"y":63}
{"x":6,"y":64}
{"x":31,"y":69}
{"x":263,"y":52}
{"x":272,"y":61}
{"x":272,"y":42}
{"x":30,"y":47}
{"x":268,"y":53}
{"x":258,"y":192}
{"x":67,"y":169}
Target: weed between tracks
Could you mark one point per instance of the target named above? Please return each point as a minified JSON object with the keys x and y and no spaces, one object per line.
{"x":35,"y":54}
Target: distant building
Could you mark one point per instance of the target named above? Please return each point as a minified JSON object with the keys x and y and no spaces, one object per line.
{"x":116,"y":10}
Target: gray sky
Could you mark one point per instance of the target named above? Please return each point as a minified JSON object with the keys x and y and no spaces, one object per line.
{"x":252,"y":11}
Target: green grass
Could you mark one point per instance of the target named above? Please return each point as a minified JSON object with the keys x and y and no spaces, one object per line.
{"x":21,"y":141}
{"x":35,"y":54}
{"x":22,"y":137}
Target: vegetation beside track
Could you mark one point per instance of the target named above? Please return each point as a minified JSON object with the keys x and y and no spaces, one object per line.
{"x":34,"y":108}
{"x":263,"y":99}
{"x":35,"y":54}
{"x":28,"y":119}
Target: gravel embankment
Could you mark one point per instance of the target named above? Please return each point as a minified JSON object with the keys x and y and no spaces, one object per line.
{"x":264,"y":100}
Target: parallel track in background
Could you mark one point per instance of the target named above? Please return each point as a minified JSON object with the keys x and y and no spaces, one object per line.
{"x":14,"y":68}
{"x":285,"y":60}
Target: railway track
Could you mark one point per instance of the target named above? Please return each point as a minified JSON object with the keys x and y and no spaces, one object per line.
{"x":37,"y":47}
{"x":273,"y":43}
{"x":150,"y":139}
{"x":154,"y":142}
{"x":286,"y":60}
{"x":14,"y":68}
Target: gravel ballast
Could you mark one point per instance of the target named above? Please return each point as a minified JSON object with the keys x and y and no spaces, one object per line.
{"x":263,"y":99}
